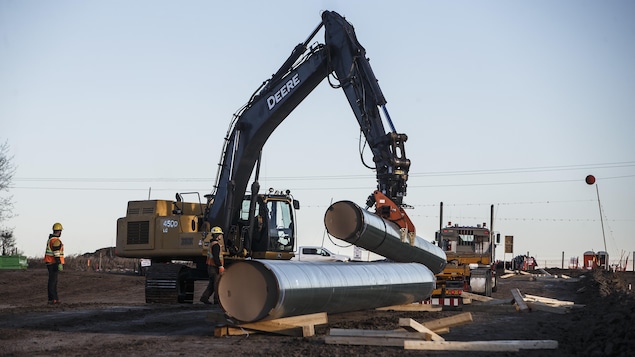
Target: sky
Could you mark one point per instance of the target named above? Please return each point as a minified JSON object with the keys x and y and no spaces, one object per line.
{"x":510,"y":104}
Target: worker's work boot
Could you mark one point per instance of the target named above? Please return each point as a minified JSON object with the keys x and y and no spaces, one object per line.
{"x":205,"y":301}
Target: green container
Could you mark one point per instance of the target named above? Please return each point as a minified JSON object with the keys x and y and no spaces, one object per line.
{"x":13,"y":262}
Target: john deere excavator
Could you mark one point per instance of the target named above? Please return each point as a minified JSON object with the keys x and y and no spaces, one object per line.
{"x":172,"y":234}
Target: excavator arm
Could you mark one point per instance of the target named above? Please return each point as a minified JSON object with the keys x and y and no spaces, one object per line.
{"x":345,"y":59}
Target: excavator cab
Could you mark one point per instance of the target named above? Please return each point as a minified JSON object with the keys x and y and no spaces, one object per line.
{"x":273,"y":231}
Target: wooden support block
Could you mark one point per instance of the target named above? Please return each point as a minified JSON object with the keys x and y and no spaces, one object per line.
{"x":520,"y":302}
{"x":493,"y":346}
{"x":447,"y":322}
{"x":319,"y":318}
{"x":411,"y":307}
{"x":303,"y":325}
{"x":220,"y":331}
{"x":412,"y":325}
{"x":274,"y":327}
{"x":509,"y":275}
{"x":476,"y":297}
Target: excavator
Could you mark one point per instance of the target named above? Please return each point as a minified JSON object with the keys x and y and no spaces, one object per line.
{"x":174,"y":234}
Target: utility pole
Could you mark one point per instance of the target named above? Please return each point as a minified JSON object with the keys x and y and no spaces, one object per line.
{"x":590,"y":180}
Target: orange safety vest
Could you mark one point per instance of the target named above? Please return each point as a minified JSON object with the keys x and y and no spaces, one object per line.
{"x":51,"y":254}
{"x":210,"y":257}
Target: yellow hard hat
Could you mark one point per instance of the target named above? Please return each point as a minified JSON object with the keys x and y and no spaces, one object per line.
{"x":57,"y":226}
{"x":217,"y":230}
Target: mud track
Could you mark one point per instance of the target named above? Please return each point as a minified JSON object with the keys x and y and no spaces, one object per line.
{"x":105,"y":314}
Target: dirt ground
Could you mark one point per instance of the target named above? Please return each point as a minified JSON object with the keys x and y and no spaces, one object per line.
{"x":105,"y":314}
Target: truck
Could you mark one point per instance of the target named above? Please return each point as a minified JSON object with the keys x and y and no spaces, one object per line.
{"x":173,"y":234}
{"x":319,"y":254}
{"x":470,"y":262}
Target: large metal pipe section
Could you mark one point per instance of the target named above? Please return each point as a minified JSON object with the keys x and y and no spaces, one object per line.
{"x":254,"y":290}
{"x":347,"y":221}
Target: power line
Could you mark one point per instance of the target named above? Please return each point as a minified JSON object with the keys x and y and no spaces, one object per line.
{"x":530,"y":169}
{"x":348,"y":177}
{"x":313,"y":188}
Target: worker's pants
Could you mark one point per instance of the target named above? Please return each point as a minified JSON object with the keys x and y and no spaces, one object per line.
{"x":52,"y":285}
{"x":212,"y":285}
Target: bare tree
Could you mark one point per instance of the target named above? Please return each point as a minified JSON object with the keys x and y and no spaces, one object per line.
{"x":7,"y":243}
{"x":7,"y":170}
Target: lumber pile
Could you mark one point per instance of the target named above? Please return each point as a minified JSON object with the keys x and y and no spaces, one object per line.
{"x":549,"y":305}
{"x":426,"y":336}
{"x":297,"y":326}
{"x":539,"y":303}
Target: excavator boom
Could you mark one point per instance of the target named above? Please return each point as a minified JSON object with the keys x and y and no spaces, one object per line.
{"x":340,"y":56}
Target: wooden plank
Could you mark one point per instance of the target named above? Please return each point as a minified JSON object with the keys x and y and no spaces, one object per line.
{"x":518,"y":298}
{"x":492,"y":346}
{"x":509,"y":275}
{"x":410,"y":324}
{"x":274,"y":327}
{"x":364,"y":341}
{"x":537,"y":305}
{"x":547,"y":300}
{"x":440,"y":331}
{"x":476,"y":297}
{"x":451,"y":321}
{"x":319,"y":318}
{"x":378,"y":333}
{"x":411,"y":307}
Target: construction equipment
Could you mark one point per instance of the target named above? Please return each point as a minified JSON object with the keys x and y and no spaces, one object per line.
{"x":470,"y":262}
{"x":262,"y":225}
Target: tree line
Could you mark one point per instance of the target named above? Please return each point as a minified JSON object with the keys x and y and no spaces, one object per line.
{"x":7,"y":170}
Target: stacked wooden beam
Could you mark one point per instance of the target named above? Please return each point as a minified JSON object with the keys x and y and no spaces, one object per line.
{"x":299,"y":326}
{"x":426,"y":336}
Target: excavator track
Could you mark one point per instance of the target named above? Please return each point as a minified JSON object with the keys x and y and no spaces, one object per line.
{"x":167,"y":284}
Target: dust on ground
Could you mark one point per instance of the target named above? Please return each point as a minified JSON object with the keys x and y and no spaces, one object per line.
{"x":105,"y":314}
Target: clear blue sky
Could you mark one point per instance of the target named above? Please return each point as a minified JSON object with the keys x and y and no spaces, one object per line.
{"x":504,"y":103}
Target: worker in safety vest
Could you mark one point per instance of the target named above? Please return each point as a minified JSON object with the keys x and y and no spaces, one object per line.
{"x":54,"y":259}
{"x":215,"y":266}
